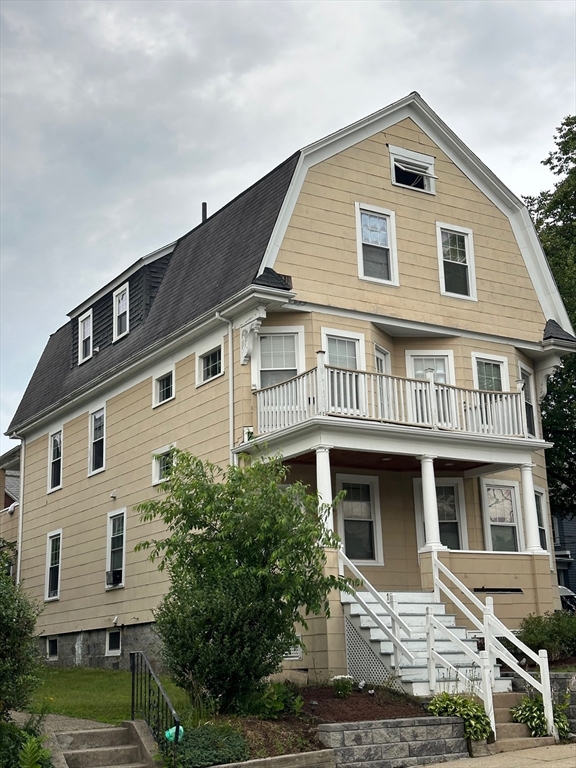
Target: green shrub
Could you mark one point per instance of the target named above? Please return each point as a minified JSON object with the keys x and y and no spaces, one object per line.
{"x":274,"y":700}
{"x":13,"y":749}
{"x":18,"y":646}
{"x":554,"y":632}
{"x":530,"y":711}
{"x":211,"y":745}
{"x":32,"y":754}
{"x":476,"y":722}
{"x":342,"y":685}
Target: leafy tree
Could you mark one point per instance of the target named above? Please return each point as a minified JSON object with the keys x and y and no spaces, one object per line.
{"x":245,"y":556}
{"x":18,"y":649}
{"x":554,"y":214}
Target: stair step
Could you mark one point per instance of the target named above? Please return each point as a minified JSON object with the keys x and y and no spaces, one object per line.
{"x":405,"y":610}
{"x":98,"y":737}
{"x":507,"y":700}
{"x":416,"y":622}
{"x":512,"y":731}
{"x":419,"y":638}
{"x":530,"y":742}
{"x":502,"y":714}
{"x":101,"y":756}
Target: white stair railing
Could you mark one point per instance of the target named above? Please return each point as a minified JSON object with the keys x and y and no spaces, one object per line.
{"x":492,"y":629}
{"x":392,"y":633}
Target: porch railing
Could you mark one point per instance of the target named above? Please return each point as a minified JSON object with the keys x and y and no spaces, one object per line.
{"x":327,"y":390}
{"x":393,"y":632}
{"x":151,"y":703}
{"x":492,"y":630}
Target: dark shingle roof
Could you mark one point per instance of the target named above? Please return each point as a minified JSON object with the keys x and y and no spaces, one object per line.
{"x":210,"y":264}
{"x":556,"y":332}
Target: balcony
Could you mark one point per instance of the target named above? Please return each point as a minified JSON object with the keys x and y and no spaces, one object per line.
{"x":379,"y":397}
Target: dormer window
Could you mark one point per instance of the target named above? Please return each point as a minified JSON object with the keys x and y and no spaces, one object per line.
{"x":85,"y":337}
{"x":412,"y":169}
{"x":121,"y":309}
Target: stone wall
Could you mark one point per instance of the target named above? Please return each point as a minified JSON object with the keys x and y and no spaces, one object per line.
{"x":395,"y":743}
{"x":321,"y":759}
{"x":88,"y":649}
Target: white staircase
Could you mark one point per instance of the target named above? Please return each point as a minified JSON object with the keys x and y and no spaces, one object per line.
{"x":412,"y":608}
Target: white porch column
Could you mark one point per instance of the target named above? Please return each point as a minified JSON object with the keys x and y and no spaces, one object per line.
{"x":430,"y":504}
{"x":324,"y":481}
{"x":529,"y":509}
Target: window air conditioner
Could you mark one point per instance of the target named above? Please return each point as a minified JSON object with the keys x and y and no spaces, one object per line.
{"x":113,"y":578}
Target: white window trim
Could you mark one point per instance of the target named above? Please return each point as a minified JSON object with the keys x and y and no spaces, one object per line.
{"x":49,"y":537}
{"x":49,"y":488}
{"x":491,"y":359}
{"x":458,"y":482}
{"x":115,"y":334}
{"x":91,"y":471}
{"x":265,"y":330}
{"x":484,"y":483}
{"x":523,"y":368}
{"x":541,"y":492}
{"x":372,"y":480}
{"x":352,"y":335}
{"x":384,"y":355}
{"x":156,"y":385}
{"x":48,"y":657}
{"x":409,"y":156}
{"x":156,"y":479}
{"x":470,"y":262}
{"x":115,"y":513}
{"x":394,"y":277}
{"x":80,"y":320}
{"x":200,"y":381}
{"x":447,"y":353}
{"x":108,"y":651}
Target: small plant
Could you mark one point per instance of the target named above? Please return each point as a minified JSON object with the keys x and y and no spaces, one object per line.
{"x":554,"y":632}
{"x":477,"y":724}
{"x":32,"y":754}
{"x":276,"y":699}
{"x":342,"y":685}
{"x":211,"y":745}
{"x":530,"y":711}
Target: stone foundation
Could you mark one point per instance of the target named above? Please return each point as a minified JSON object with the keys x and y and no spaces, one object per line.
{"x":395,"y":743}
{"x":88,"y":648}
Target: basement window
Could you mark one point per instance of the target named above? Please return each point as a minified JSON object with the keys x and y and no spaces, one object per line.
{"x":113,"y":642}
{"x":52,"y":648}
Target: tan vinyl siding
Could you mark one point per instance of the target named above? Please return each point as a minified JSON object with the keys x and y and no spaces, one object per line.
{"x":319,"y":247}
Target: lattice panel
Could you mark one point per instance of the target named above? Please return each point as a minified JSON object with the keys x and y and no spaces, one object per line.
{"x":364,"y":664}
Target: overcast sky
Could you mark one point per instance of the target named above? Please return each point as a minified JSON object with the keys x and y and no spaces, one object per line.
{"x":120,"y":117}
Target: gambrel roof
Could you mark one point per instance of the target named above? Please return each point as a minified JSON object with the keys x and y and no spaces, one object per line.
{"x":236,"y":248}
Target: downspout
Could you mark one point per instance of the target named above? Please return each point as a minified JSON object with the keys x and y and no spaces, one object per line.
{"x":233,"y":457}
{"x":21,"y":504}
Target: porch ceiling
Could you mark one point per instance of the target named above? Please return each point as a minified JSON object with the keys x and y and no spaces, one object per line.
{"x":386,"y":462}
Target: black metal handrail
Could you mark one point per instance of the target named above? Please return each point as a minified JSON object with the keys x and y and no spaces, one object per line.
{"x":151,"y":703}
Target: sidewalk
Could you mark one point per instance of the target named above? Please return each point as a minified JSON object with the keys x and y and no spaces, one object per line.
{"x":558,"y":756}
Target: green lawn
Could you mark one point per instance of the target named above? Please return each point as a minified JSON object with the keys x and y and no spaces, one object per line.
{"x":94,"y":694}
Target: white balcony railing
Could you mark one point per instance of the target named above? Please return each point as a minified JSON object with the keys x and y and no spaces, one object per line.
{"x":330,"y":391}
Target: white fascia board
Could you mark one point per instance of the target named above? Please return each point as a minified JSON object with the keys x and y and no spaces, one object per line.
{"x":373,"y":437}
{"x":122,"y":278}
{"x":414,"y":107}
{"x":140,"y":363}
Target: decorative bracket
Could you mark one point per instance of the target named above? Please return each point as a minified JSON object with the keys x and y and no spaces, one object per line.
{"x":247,"y":334}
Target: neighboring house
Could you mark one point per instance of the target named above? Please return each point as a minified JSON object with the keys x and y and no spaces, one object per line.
{"x":565,"y":551}
{"x":378,"y":309}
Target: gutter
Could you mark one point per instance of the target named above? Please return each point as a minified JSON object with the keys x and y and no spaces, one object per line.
{"x":233,"y":456}
{"x":180,"y":336}
{"x":21,"y":503}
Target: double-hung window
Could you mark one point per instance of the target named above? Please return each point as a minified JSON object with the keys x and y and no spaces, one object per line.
{"x":161,"y":464}
{"x":502,"y":521}
{"x":278,"y":363}
{"x":163,"y":388}
{"x":97,"y":438}
{"x":451,"y":512}
{"x":55,"y":461}
{"x":376,"y":244}
{"x":53,"y":560}
{"x":359,"y":518}
{"x":85,"y":336}
{"x":412,"y":169}
{"x":540,"y":514}
{"x":116,"y":549}
{"x":211,"y":364}
{"x":456,"y":261}
{"x":121,"y":312}
{"x":529,"y":399}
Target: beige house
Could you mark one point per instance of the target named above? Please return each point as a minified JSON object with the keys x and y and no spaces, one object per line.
{"x":378,"y":309}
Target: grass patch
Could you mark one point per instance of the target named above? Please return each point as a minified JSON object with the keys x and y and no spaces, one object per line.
{"x":94,"y":694}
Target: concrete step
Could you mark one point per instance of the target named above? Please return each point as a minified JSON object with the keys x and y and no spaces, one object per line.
{"x":502,"y":714}
{"x":507,"y":700}
{"x":97,"y":757}
{"x":512,"y":731}
{"x":511,"y":745}
{"x":99,"y":737}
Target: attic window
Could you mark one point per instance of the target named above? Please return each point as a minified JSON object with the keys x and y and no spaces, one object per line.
{"x":412,"y":169}
{"x":85,"y":337}
{"x":121,"y":312}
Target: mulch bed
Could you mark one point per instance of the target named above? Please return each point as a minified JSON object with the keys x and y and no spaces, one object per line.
{"x":382,"y":705}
